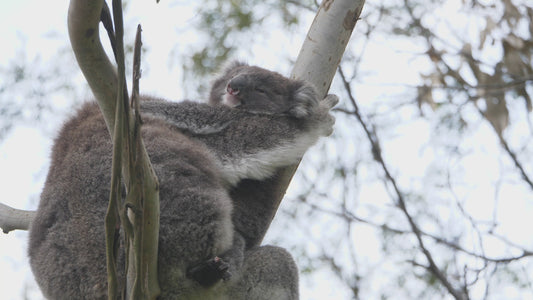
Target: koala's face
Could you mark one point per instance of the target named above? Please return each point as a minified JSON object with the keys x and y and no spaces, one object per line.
{"x":256,"y":89}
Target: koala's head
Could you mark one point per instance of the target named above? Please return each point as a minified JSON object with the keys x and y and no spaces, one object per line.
{"x":256,"y":89}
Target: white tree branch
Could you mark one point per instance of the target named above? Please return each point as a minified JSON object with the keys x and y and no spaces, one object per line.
{"x":83,"y":23}
{"x":12,"y":218}
{"x":320,"y":56}
{"x":326,"y":41}
{"x":83,"y":29}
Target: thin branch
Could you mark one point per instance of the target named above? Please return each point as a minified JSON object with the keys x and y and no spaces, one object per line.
{"x":453,"y":73}
{"x":350,"y":216}
{"x":107,"y":21}
{"x":464,"y":213}
{"x":83,"y":27}
{"x":301,"y":5}
{"x":516,"y":161}
{"x":112,"y":218}
{"x":141,"y":183}
{"x":503,"y":142}
{"x":136,"y":70}
{"x":317,"y":62}
{"x":13,"y":219}
{"x":509,"y":151}
{"x":120,"y":138}
{"x":400,"y":201}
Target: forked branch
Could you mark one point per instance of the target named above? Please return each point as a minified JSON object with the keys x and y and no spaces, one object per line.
{"x":139,"y":214}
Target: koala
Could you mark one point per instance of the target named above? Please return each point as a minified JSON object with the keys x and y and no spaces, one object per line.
{"x":211,"y":160}
{"x":258,"y":89}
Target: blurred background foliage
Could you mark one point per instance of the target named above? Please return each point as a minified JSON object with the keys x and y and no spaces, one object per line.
{"x":425,"y":189}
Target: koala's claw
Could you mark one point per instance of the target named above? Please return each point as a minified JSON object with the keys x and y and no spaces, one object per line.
{"x":327,"y":125}
{"x":210,"y":272}
{"x":330,"y":101}
{"x":324,"y":117}
{"x":302,"y":109}
{"x":305,"y":102}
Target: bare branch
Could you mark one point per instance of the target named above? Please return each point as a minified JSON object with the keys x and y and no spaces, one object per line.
{"x":455,"y":74}
{"x":400,"y":201}
{"x":515,"y":160}
{"x":345,"y":214}
{"x":136,"y":71}
{"x":301,"y":5}
{"x":319,"y":57}
{"x":143,"y":197}
{"x":325,"y":43}
{"x":110,"y":91}
{"x":13,"y":219}
{"x":492,"y":88}
{"x":83,"y":24}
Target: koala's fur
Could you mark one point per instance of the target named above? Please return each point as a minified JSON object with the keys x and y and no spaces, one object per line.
{"x":214,"y":163}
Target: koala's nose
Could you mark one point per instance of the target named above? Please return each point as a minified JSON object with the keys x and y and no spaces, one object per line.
{"x":236,"y":84}
{"x":232,"y":90}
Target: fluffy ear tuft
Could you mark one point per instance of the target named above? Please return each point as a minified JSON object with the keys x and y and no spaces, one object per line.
{"x":221,"y":78}
{"x":305,"y":100}
{"x":227,"y":67}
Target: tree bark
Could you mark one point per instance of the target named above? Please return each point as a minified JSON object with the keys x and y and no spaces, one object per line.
{"x":139,"y":177}
{"x":12,"y":218}
{"x":319,"y":58}
{"x":100,"y":73}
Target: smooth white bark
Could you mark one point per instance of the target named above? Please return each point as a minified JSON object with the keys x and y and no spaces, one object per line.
{"x":320,"y":56}
{"x":100,"y":73}
{"x":12,"y":218}
{"x":326,"y":41}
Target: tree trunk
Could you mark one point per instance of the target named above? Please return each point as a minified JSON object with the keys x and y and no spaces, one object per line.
{"x":318,"y":60}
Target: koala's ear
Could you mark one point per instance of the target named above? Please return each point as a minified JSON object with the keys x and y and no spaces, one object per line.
{"x":231,"y":65}
{"x":218,"y":84}
{"x":305,"y":99}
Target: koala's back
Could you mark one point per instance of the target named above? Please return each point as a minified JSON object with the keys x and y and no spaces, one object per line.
{"x":67,"y":240}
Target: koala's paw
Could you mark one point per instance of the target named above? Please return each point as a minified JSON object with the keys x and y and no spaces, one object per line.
{"x":325,"y":119}
{"x":330,"y":101}
{"x":209,"y":272}
{"x":305,"y":102}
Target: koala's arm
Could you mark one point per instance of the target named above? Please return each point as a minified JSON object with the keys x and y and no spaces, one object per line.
{"x":190,"y":117}
{"x":249,"y":144}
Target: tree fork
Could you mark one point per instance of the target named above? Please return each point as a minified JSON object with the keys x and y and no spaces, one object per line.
{"x":140,"y":213}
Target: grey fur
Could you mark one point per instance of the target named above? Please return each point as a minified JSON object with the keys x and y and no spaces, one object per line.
{"x":213,"y":162}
